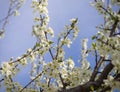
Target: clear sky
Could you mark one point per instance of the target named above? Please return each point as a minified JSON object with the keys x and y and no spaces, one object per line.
{"x":18,"y":36}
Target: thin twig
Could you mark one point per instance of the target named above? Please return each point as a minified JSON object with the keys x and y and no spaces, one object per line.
{"x":31,"y":82}
{"x":60,"y":46}
{"x":96,"y":68}
{"x":96,"y":56}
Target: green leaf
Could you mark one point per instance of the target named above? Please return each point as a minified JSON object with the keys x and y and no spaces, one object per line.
{"x":50,"y":42}
{"x":60,"y":61}
{"x":92,"y":88}
{"x":94,"y":45}
{"x":93,"y":37}
{"x":37,"y":44}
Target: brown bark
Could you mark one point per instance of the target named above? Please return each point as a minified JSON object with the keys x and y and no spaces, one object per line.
{"x":95,"y":84}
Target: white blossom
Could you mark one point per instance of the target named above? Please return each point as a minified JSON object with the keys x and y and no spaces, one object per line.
{"x":6,"y":68}
{"x":50,"y":31}
{"x":70,"y":63}
{"x":16,"y":13}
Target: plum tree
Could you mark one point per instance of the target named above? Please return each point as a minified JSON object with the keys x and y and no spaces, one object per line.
{"x":61,"y":74}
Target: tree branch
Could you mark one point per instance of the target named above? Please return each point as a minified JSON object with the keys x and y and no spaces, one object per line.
{"x":96,"y":68}
{"x":30,"y":82}
{"x":114,"y":25}
{"x":96,"y":84}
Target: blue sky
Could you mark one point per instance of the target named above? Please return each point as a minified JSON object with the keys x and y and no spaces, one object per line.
{"x":18,"y":36}
{"x":18,"y":32}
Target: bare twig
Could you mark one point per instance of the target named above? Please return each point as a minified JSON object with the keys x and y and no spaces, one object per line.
{"x":96,"y":68}
{"x":31,"y":81}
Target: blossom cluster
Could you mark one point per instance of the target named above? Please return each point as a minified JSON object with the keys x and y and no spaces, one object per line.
{"x":59,"y":72}
{"x":108,"y":39}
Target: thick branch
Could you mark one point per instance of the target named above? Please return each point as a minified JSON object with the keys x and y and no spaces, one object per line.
{"x":105,"y":73}
{"x":105,"y":89}
{"x":96,"y":84}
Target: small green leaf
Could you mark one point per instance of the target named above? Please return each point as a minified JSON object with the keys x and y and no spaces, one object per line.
{"x":94,"y":45}
{"x":37,"y":44}
{"x":92,"y":88}
{"x":93,"y":37}
{"x":50,"y":42}
{"x":59,"y":61}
